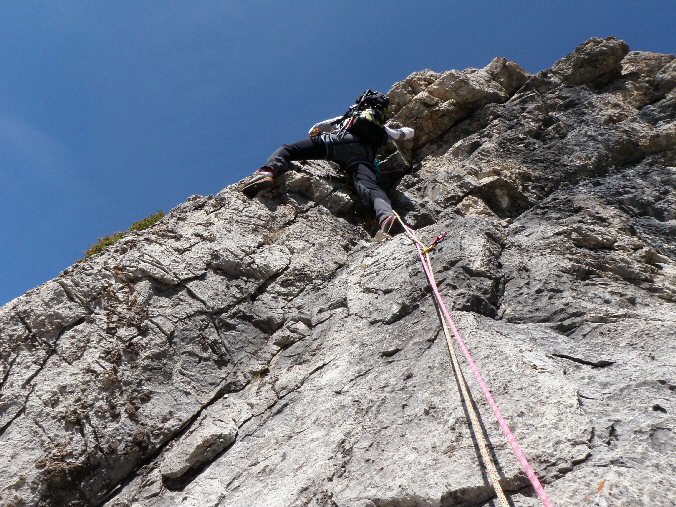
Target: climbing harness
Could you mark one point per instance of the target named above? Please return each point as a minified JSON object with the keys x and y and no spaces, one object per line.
{"x":447,"y":322}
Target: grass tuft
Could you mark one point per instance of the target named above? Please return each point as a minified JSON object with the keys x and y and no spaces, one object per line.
{"x":106,"y":241}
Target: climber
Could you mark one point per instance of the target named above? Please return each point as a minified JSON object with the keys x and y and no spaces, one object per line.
{"x":351,"y":140}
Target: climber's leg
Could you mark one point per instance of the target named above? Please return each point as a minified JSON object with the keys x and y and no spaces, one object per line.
{"x":278,"y":163}
{"x":371,"y":195}
{"x":313,"y":148}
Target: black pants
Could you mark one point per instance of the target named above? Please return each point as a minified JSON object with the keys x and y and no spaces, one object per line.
{"x":351,"y":154}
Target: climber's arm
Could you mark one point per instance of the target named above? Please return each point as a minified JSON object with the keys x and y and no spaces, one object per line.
{"x":400,"y":133}
{"x":324,"y":126}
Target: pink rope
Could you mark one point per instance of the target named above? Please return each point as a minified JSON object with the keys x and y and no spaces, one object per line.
{"x":539,"y":489}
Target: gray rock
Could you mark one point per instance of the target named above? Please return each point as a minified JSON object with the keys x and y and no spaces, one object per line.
{"x":200,"y":446}
{"x":596,"y":61}
{"x":267,"y":352}
{"x":432,"y":103}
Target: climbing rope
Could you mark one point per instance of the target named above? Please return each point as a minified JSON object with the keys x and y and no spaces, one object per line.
{"x":447,"y":321}
{"x":491,"y":469}
{"x":474,"y":420}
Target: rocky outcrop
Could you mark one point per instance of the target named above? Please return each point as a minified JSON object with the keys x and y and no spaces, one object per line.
{"x":268,"y":352}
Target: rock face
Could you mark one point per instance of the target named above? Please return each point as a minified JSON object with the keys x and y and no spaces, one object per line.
{"x":266,"y":352}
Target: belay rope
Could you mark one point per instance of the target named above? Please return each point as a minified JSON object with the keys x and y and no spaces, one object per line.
{"x":447,"y":322}
{"x":491,"y":470}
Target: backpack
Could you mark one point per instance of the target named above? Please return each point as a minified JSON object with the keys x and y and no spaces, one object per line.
{"x":373,"y":99}
{"x":366,"y":118}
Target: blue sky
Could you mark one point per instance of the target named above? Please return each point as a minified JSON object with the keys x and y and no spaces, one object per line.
{"x":110,"y":111}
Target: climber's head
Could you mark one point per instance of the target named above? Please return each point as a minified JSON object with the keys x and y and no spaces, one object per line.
{"x":373,"y":99}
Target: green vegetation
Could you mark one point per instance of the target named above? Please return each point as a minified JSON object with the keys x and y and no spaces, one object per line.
{"x":142,"y":225}
{"x":106,"y":241}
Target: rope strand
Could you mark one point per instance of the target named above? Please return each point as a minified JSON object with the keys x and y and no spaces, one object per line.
{"x":537,"y":486}
{"x":491,"y":469}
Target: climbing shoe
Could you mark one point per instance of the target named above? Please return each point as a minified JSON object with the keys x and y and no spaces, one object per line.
{"x":261,"y":179}
{"x":390,"y":225}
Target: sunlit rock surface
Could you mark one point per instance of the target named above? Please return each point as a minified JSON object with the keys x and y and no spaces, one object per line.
{"x":267,"y":352}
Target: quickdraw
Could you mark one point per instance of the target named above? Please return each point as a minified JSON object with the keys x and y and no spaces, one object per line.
{"x":434,"y":243}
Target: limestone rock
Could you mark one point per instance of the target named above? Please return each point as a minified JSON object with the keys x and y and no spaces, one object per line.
{"x":596,"y":61}
{"x":471,"y":205}
{"x":267,"y":352}
{"x":431,"y":103}
{"x":200,"y":446}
